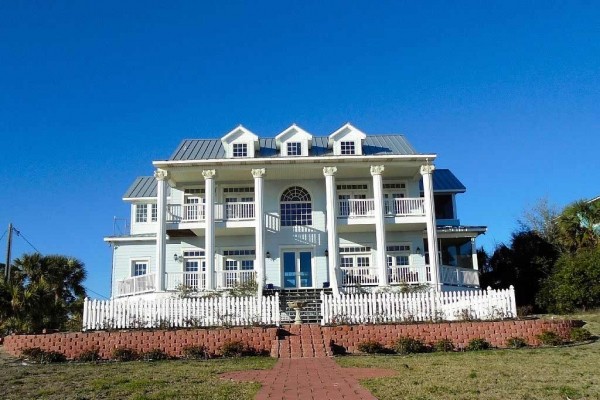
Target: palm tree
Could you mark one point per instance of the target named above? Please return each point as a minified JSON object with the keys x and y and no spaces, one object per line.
{"x":44,"y":292}
{"x":577,"y":226}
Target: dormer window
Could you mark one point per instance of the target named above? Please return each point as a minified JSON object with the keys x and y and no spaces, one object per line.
{"x":294,"y":149}
{"x":347,"y":148}
{"x":240,"y":143}
{"x":240,"y":150}
{"x":347,"y":141}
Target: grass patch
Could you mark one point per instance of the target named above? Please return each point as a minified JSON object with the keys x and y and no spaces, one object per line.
{"x":181,"y":379}
{"x":532,"y":373}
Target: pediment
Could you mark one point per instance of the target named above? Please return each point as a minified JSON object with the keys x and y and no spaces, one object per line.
{"x":347,"y":132}
{"x":239,"y":134}
{"x":294,"y":134}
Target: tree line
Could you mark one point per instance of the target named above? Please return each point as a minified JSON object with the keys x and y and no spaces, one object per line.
{"x":552,"y":259}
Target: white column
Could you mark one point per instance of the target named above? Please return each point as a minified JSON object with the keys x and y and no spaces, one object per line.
{"x":332,"y":237}
{"x":474,"y":254}
{"x":209,"y":231}
{"x":161,"y":227}
{"x":259,"y":248}
{"x":432,"y":241}
{"x":376,"y":171}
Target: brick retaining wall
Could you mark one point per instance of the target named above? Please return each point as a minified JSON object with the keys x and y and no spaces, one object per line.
{"x":171,"y":342}
{"x":264,"y":339}
{"x":460,"y":333}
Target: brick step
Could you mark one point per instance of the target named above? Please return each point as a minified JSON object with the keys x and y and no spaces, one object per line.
{"x":301,"y":341}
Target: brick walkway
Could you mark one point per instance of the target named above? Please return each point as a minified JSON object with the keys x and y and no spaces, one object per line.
{"x":310,"y":378}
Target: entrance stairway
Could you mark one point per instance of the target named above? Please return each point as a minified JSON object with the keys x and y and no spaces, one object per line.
{"x":301,"y":341}
{"x":310,"y":314}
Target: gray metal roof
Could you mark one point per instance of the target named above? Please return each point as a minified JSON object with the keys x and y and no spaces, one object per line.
{"x":210,"y":149}
{"x":143,"y":186}
{"x":445,"y":181}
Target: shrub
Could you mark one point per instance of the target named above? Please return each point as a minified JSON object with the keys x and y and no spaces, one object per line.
{"x":36,"y":354}
{"x":90,"y":355}
{"x":477,"y":344}
{"x":234,"y":348}
{"x":444,"y":345}
{"x":516,"y":342}
{"x":580,"y":335}
{"x":550,"y":338}
{"x":154,"y":355}
{"x":194,"y":352}
{"x":408,"y":345}
{"x":124,"y":354}
{"x":371,"y":347}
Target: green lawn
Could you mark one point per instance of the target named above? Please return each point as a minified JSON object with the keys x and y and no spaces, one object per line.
{"x":133,"y":380}
{"x":547,"y":373}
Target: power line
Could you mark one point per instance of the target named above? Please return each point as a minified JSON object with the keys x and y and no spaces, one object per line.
{"x":96,"y":293}
{"x":2,"y":237}
{"x":25,"y":239}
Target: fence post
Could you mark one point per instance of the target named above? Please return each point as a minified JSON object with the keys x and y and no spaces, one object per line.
{"x":277,"y":311}
{"x":513,"y":302}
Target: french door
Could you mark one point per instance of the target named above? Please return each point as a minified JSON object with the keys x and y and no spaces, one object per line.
{"x":297,"y":269}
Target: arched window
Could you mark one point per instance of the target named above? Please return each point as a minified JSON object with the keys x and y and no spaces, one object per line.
{"x":296,"y":207}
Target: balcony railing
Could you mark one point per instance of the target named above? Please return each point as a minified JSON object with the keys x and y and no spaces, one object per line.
{"x":459,"y":276}
{"x":136,"y":285}
{"x":357,"y":207}
{"x":409,"y":274}
{"x":231,"y":279}
{"x":394,"y":207}
{"x":185,"y":280}
{"x":405,"y":207}
{"x":359,"y":276}
{"x":234,"y":211}
{"x":197,"y":212}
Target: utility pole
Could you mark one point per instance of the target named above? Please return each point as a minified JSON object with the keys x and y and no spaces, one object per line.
{"x":8,"y":248}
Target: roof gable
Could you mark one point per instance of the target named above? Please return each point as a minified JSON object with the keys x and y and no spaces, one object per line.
{"x":348,"y":131}
{"x":293,"y":133}
{"x":239,"y":134}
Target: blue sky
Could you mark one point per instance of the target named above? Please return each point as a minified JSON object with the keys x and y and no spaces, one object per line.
{"x":508,"y":95}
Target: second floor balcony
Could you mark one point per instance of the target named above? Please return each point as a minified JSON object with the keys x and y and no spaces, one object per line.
{"x":196,"y":212}
{"x":364,"y":209}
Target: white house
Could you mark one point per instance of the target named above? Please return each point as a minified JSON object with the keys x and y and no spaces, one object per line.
{"x":295,"y":212}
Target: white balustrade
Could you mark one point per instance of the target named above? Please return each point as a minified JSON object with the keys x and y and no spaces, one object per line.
{"x":231,"y":279}
{"x":185,"y":280}
{"x":359,"y":276}
{"x":459,"y":276}
{"x":356,"y":207}
{"x":405,"y":206}
{"x":136,"y":284}
{"x":195,"y":212}
{"x":406,"y":274}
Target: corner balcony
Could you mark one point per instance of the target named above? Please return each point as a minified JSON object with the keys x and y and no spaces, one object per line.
{"x":407,"y":210}
{"x":240,"y":214}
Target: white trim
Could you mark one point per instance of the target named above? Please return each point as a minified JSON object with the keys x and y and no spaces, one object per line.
{"x":298,"y":160}
{"x":132,"y":260}
{"x":130,"y":238}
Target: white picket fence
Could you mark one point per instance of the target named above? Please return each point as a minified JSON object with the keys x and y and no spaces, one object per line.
{"x":181,"y":313}
{"x":413,"y":307}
